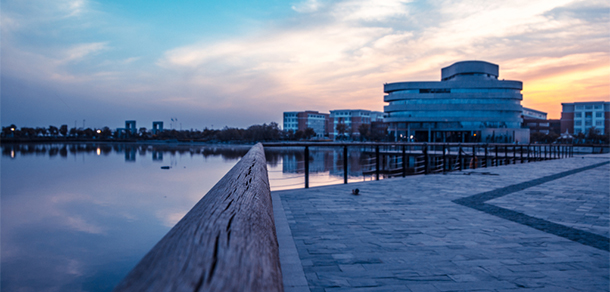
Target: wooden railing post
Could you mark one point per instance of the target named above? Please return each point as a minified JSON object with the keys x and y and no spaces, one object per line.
{"x":226,"y":242}
{"x":345,"y":164}
{"x":497,"y":161}
{"x":306,"y":167}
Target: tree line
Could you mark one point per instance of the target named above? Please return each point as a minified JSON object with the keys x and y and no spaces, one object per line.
{"x":254,"y":133}
{"x":264,"y":132}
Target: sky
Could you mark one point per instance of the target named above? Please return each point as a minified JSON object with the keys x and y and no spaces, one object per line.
{"x":238,"y":63}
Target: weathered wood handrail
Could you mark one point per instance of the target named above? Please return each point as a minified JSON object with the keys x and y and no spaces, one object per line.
{"x":227,"y":242}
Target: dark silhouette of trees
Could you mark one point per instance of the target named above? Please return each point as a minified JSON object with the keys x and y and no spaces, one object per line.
{"x":341,"y":129}
{"x":53,"y":131}
{"x":63,"y":130}
{"x":309,"y":133}
{"x":106,"y":133}
{"x":364,"y":130}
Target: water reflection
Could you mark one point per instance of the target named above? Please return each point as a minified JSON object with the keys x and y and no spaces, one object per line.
{"x":78,"y":217}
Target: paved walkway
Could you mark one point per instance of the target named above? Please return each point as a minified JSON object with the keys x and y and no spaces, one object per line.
{"x":540,"y":226}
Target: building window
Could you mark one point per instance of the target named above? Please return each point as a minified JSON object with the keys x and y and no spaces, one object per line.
{"x":598,"y":123}
{"x":544,"y":124}
{"x":578,"y":107}
{"x":578,"y":115}
{"x":598,"y":106}
{"x":588,"y":115}
{"x":587,"y":123}
{"x":577,"y":130}
{"x":578,"y":123}
{"x":588,"y":107}
{"x":598,"y":114}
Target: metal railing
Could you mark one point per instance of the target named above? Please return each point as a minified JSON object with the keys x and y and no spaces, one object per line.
{"x":402,"y":159}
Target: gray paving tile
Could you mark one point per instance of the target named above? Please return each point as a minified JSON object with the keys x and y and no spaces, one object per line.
{"x":407,"y":234}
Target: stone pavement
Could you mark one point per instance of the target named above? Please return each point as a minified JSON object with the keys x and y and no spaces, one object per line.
{"x":540,"y":226}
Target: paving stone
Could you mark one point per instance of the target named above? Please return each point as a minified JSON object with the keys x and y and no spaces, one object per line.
{"x":408,"y":234}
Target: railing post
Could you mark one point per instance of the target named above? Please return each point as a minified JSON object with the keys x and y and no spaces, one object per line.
{"x":460,"y":156}
{"x":426,"y":159}
{"x":545,"y":153}
{"x":521,"y":150}
{"x":486,"y":159}
{"x":497,"y":161}
{"x":377,"y":162}
{"x":528,"y":152}
{"x":506,"y":161}
{"x":306,"y":167}
{"x":514,"y":154}
{"x":404,"y":161}
{"x":345,"y":164}
{"x":444,"y":158}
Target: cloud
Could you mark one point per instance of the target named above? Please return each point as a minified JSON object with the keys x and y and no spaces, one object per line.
{"x":306,"y":6}
{"x":78,"y":52}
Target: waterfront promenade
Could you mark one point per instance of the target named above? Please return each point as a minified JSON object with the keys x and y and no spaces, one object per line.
{"x":540,"y":226}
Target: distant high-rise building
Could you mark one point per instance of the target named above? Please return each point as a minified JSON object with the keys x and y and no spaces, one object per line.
{"x":580,"y":117}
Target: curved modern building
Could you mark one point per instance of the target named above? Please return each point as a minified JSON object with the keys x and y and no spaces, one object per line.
{"x":469,"y":104}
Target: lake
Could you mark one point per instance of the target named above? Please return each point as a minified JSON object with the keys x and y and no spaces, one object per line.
{"x":79,"y":216}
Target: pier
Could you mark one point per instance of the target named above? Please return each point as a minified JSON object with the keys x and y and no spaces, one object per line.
{"x":519,"y":226}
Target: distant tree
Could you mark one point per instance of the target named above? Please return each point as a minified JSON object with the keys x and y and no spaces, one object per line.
{"x":53,"y":130}
{"x":341,"y":129}
{"x":106,"y":132}
{"x":88,"y":133}
{"x":309,"y":132}
{"x":28,"y":132}
{"x":364,"y":131}
{"x":298,"y":135}
{"x":73,"y":132}
{"x":63,"y":130}
{"x":143,"y":132}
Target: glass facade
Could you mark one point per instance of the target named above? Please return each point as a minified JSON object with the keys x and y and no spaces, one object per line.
{"x":466,"y":105}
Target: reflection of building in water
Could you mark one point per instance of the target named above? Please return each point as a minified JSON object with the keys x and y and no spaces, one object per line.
{"x":130,"y":154}
{"x":320,"y":160}
{"x":325,"y":160}
{"x":157,"y":156}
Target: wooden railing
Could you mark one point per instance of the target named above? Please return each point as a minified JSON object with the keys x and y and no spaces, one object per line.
{"x":227,"y":242}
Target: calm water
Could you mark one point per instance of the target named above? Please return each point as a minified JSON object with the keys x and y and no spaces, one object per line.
{"x":78,"y":217}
